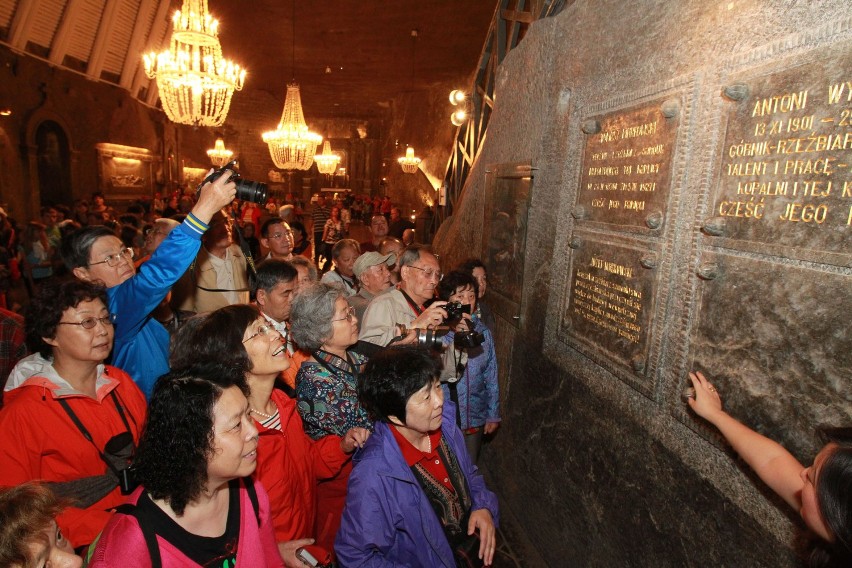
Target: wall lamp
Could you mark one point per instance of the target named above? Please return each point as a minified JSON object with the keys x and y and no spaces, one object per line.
{"x":458,"y":98}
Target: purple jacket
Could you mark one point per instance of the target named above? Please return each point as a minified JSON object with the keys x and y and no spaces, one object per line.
{"x":388,"y":520}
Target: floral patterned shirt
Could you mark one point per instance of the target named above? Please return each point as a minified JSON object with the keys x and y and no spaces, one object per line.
{"x":327,"y":399}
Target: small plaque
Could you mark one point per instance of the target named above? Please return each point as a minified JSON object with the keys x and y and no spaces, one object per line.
{"x":626,"y":169}
{"x":785,"y":174}
{"x":611,"y":302}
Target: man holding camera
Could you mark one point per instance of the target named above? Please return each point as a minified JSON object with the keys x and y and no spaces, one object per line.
{"x":410,"y":305}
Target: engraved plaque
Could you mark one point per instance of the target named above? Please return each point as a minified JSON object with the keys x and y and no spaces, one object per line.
{"x":785,"y":176}
{"x":626,"y":170}
{"x":611,"y":302}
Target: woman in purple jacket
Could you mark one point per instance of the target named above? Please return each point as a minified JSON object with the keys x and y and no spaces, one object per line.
{"x":414,"y":496}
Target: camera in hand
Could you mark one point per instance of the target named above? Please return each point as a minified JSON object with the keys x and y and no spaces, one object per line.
{"x":247,"y":190}
{"x":463,"y":339}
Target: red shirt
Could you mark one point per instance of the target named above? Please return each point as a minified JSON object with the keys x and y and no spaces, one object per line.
{"x":431,"y":461}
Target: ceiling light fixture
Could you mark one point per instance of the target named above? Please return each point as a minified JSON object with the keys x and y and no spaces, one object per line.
{"x":327,"y":161}
{"x":409,"y":163}
{"x":219,"y":155}
{"x":292,"y":145}
{"x":195,"y":81}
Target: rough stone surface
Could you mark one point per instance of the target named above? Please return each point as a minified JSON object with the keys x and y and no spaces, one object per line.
{"x":606,"y":470}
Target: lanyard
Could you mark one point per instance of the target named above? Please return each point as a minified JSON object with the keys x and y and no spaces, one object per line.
{"x":414,"y":307}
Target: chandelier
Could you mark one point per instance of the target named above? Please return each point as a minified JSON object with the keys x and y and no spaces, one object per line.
{"x":219,"y":155}
{"x":292,"y":146}
{"x":195,"y":82}
{"x":410,"y":163}
{"x":327,"y":161}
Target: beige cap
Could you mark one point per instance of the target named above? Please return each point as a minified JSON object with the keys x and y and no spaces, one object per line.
{"x":372,"y":258}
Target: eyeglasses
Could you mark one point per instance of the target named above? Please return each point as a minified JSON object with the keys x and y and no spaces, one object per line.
{"x":350,"y":313}
{"x":277,"y":236}
{"x":263,"y":330}
{"x":428,"y":272}
{"x":113,"y":259}
{"x":90,"y":323}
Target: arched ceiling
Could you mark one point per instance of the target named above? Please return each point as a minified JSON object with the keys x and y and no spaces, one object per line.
{"x":352,"y":57}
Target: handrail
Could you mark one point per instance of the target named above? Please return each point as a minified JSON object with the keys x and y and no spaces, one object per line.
{"x":508,"y":28}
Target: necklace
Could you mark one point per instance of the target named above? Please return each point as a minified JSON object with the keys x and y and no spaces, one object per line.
{"x":263,"y":414}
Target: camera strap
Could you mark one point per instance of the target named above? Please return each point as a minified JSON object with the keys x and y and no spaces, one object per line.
{"x":85,"y":432}
{"x":412,"y":304}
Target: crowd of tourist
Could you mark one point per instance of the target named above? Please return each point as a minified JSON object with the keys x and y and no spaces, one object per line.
{"x":198,"y":382}
{"x":189,"y":390}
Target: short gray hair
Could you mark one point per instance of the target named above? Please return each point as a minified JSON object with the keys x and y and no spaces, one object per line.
{"x":311,"y":315}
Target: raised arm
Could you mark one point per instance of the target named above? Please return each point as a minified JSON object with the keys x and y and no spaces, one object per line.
{"x":775,"y":466}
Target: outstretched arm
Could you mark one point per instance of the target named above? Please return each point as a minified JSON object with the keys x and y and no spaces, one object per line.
{"x":772,"y":463}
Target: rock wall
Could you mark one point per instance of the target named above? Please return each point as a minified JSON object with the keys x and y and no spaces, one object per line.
{"x":689,"y":208}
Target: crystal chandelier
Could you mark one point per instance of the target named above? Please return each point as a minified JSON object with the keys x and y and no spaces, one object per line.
{"x":327,"y":161}
{"x":292,"y":146}
{"x":219,"y":155}
{"x":410,"y":163}
{"x":195,"y":82}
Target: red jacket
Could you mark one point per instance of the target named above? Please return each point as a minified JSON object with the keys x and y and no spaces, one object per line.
{"x":289,"y":465}
{"x":39,"y":441}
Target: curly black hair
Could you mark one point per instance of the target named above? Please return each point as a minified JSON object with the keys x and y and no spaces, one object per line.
{"x":216,"y":338}
{"x":178,"y":439}
{"x":48,"y":305}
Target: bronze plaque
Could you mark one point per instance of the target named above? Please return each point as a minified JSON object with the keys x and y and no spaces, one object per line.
{"x":785,"y":174}
{"x":611,"y":301}
{"x":626,"y":170}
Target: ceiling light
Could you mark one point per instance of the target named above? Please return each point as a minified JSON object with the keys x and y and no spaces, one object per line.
{"x":327,"y":161}
{"x":195,"y":81}
{"x":409,"y":163}
{"x":219,"y":155}
{"x":292,"y":145}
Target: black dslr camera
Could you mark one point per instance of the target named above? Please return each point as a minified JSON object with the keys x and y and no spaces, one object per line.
{"x":463,"y":339}
{"x":247,"y":190}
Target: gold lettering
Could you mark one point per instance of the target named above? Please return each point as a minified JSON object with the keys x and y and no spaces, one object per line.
{"x":787,"y":102}
{"x":835,"y":92}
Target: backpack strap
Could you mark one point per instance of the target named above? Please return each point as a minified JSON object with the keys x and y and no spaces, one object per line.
{"x":248,"y":483}
{"x":147,"y":533}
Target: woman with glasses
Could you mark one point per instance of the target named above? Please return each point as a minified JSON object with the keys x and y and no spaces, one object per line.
{"x":69,"y":420}
{"x":95,"y":254}
{"x":325,"y":325}
{"x":290,"y":463}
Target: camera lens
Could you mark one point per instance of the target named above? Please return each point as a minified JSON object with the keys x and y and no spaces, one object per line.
{"x":254,"y":191}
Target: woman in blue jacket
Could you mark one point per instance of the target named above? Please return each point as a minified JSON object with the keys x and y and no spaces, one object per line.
{"x":470,"y":374}
{"x":414,"y":496}
{"x":95,"y":254}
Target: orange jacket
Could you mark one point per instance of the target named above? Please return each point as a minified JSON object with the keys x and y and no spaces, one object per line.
{"x":39,"y":441}
{"x":289,"y":465}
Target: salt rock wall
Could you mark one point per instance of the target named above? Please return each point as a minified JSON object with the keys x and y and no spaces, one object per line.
{"x":686,"y":204}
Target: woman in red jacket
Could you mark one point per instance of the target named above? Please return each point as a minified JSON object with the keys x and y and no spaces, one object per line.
{"x":70,"y":420}
{"x":289,"y":462}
